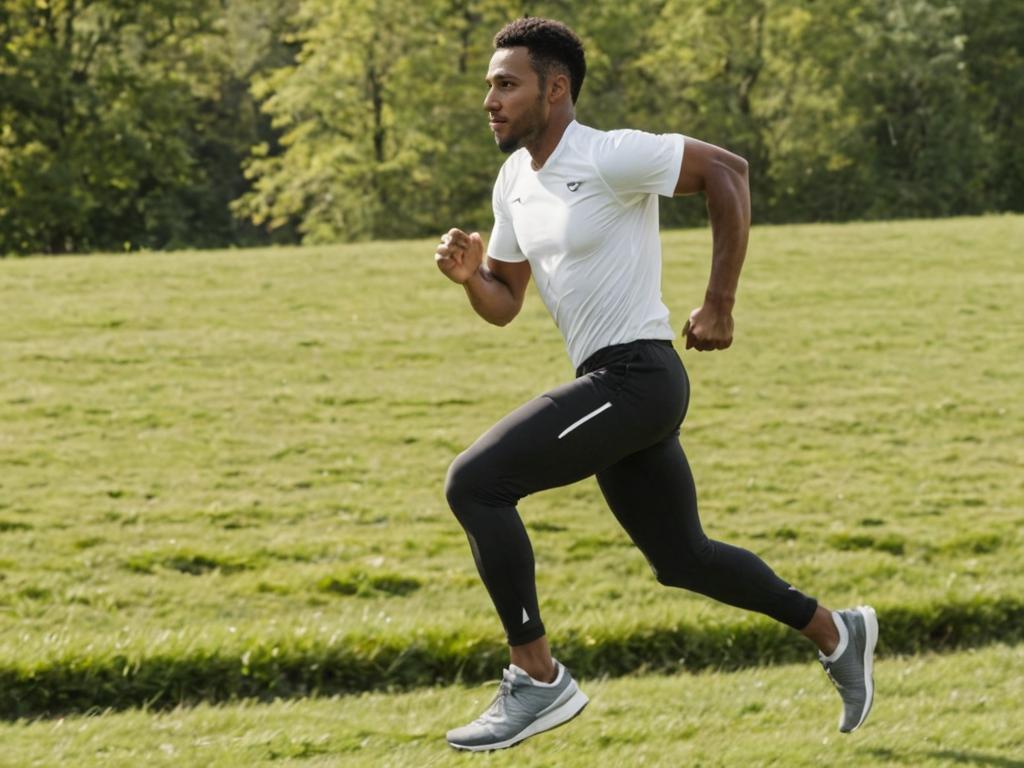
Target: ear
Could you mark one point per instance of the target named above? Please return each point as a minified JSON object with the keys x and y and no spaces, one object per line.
{"x":558,"y":87}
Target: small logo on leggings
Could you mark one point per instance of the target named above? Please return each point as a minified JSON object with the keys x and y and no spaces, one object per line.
{"x":573,"y":185}
{"x":526,"y":616}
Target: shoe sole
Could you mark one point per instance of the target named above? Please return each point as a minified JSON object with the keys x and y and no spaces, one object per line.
{"x":552,"y":719}
{"x":871,"y":630}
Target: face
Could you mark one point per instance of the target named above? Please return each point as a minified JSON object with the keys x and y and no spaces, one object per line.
{"x":515,"y":104}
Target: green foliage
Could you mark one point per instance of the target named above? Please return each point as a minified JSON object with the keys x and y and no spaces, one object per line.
{"x":382,"y":131}
{"x":123,"y":125}
{"x":846,"y":110}
{"x":92,"y":130}
{"x":921,"y":144}
{"x":173,"y":123}
{"x":993,"y":31}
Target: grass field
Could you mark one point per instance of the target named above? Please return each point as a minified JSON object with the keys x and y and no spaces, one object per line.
{"x":210,"y":455}
{"x":932,"y":711}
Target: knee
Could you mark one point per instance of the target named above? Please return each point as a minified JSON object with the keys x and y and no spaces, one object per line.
{"x":461,"y":486}
{"x":681,"y":575}
{"x":455,"y":483}
{"x":477,"y":482}
{"x":673,"y":575}
{"x":684,"y":569}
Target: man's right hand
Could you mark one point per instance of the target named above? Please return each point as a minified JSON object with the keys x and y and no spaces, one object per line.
{"x":459,"y":255}
{"x":709,"y":327}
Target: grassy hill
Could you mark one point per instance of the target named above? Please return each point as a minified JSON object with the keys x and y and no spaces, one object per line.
{"x":222,"y":472}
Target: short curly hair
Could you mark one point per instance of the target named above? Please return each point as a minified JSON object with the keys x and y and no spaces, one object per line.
{"x":552,"y":45}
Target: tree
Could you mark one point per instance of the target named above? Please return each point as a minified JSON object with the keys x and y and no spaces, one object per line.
{"x":872,"y":120}
{"x":700,"y":75}
{"x":382,"y":131}
{"x":993,"y":34}
{"x":136,"y":123}
{"x":921,"y":142}
{"x":92,"y":136}
{"x":121,"y":124}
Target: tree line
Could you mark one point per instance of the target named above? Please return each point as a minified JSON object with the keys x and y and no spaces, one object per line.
{"x":160,"y":124}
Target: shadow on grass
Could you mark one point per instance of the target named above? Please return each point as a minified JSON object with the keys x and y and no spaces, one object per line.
{"x":279,"y":668}
{"x":951,"y":756}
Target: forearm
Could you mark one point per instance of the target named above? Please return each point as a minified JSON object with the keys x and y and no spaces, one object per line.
{"x":492,"y":299}
{"x":728,"y":200}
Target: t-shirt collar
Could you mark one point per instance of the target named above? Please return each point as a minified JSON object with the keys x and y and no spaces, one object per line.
{"x":558,"y":148}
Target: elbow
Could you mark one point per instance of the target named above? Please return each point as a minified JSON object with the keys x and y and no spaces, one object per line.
{"x":736,"y":174}
{"x":504,"y":319}
{"x":728,"y":170}
{"x":509,"y":313}
{"x":737,"y":165}
{"x":729,"y":183}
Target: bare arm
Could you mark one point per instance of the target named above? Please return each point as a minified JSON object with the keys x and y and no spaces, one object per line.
{"x":722,"y":176}
{"x":496,"y":290}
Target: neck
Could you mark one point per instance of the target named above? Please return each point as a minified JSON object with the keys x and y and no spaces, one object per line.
{"x":540,"y":149}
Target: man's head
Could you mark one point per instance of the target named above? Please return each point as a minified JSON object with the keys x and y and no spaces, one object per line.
{"x":538,"y":66}
{"x":553,"y":48}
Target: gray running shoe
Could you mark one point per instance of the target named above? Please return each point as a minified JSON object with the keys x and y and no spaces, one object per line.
{"x":522,"y":708}
{"x":851,"y":673}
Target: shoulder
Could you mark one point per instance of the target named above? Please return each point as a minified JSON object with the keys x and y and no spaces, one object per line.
{"x":589,"y":142}
{"x":627,"y":145}
{"x":637,"y":161}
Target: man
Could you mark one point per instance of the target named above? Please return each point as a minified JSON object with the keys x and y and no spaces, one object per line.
{"x":577,"y":209}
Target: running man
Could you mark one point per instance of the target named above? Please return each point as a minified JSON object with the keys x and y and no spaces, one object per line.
{"x":577,"y":209}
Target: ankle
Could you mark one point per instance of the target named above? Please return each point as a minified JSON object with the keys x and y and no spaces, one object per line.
{"x":534,"y":658}
{"x":822,"y":631}
{"x":539,"y":671}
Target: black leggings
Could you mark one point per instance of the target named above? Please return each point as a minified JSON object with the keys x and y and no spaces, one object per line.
{"x":619,"y":420}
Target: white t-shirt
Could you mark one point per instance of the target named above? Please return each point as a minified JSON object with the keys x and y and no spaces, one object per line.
{"x":588,"y":224}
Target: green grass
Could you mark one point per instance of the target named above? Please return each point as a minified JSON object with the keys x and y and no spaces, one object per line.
{"x":207,"y":452}
{"x":181,"y":670}
{"x":950,"y":710}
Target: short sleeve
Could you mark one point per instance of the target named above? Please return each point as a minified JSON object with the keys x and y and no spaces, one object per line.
{"x":503,"y":244}
{"x":636,"y":163}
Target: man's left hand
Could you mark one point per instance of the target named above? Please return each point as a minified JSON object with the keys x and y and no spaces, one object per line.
{"x":708,"y":328}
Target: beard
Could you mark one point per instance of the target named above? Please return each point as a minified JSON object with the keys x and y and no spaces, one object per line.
{"x":509,"y":145}
{"x":532,"y":126}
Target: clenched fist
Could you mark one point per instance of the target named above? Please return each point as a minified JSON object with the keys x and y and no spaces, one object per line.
{"x":459,"y":255}
{"x":708,"y":328}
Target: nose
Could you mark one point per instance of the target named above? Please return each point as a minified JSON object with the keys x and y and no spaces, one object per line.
{"x":491,"y":103}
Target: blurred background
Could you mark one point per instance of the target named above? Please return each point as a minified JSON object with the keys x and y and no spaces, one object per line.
{"x":167,"y":124}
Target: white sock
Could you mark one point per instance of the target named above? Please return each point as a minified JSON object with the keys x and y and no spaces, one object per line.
{"x":844,"y":638}
{"x":537,"y":682}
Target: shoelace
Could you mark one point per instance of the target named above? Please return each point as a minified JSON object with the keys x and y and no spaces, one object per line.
{"x":828,"y":671}
{"x":497,"y":705}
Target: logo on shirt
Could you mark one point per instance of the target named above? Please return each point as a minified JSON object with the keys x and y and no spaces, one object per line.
{"x":573,"y":185}
{"x":517,"y":200}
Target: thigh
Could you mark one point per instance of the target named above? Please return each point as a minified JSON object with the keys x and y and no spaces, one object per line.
{"x":563,"y":436}
{"x":652,"y":495}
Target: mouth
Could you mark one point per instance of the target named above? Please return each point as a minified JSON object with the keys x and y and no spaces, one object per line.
{"x":494,"y":122}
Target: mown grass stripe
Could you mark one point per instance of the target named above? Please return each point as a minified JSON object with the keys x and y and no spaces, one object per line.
{"x":273,"y":669}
